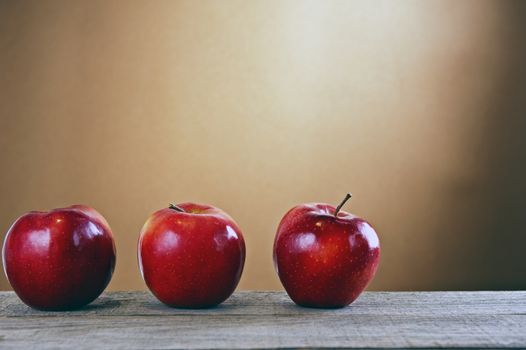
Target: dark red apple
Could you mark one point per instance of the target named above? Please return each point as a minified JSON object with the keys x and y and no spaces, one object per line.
{"x":61,"y":259}
{"x":191,"y":255}
{"x":325,"y":257}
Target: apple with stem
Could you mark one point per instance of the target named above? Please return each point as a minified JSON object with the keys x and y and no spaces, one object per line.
{"x":59,"y":260}
{"x":325,"y":257}
{"x":191,"y":255}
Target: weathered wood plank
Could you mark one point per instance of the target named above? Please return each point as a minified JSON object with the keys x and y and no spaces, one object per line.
{"x":270,"y":320}
{"x":278,"y":303}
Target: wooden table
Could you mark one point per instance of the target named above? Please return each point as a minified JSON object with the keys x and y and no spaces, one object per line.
{"x":128,"y":320}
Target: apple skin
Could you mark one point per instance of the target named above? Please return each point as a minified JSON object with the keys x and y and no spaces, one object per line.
{"x":191,"y":259}
{"x":324,"y":261}
{"x":59,"y":260}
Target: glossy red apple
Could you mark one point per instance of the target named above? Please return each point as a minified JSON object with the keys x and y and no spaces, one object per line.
{"x":325,"y":257}
{"x":191,"y":255}
{"x":61,"y":259}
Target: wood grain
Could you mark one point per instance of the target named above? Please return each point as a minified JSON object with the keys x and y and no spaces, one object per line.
{"x":132,"y":320}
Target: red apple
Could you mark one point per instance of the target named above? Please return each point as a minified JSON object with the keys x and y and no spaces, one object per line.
{"x":325,"y":257}
{"x":191,"y":255}
{"x":61,"y":259}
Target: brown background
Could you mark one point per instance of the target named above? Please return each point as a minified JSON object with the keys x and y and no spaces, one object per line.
{"x":418,"y":108}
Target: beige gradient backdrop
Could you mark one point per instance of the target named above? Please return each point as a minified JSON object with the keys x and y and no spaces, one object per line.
{"x":417,"y":107}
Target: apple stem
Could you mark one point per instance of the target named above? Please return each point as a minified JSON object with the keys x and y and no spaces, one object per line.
{"x":175,"y":207}
{"x":347,"y":197}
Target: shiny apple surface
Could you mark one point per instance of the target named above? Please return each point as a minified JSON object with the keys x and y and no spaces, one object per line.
{"x":59,"y":260}
{"x":325,"y":260}
{"x":191,"y":257}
